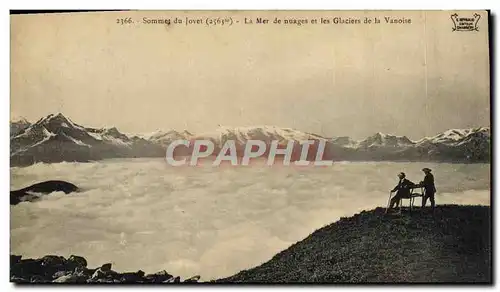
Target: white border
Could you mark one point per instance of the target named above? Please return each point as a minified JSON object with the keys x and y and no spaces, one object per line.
{"x":201,"y":5}
{"x":256,"y":4}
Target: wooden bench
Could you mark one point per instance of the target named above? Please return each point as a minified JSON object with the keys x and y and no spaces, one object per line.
{"x":412,"y":197}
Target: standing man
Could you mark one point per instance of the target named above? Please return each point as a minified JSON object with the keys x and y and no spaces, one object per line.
{"x":430,"y":188}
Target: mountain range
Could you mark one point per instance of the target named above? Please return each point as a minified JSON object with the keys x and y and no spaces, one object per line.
{"x":55,"y":138}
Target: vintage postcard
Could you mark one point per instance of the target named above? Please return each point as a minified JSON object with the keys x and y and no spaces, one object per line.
{"x":250,"y":147}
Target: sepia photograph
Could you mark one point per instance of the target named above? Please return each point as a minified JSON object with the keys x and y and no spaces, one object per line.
{"x":190,"y":147}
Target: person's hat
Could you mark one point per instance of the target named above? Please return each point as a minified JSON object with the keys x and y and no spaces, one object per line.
{"x":402,"y":173}
{"x":425,"y":169}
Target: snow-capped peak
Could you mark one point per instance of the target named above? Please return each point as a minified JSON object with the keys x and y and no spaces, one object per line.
{"x":57,"y":120}
{"x":262,"y":133}
{"x":159,"y":134}
{"x":344,"y":141}
{"x":19,"y":119}
{"x":380,"y":139}
{"x":454,"y":135}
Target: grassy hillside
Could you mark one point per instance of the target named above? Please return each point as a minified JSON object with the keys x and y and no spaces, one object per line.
{"x":453,"y":245}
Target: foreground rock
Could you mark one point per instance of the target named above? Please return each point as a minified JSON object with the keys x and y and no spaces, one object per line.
{"x":45,"y":187}
{"x":57,"y":269}
{"x":454,"y":245}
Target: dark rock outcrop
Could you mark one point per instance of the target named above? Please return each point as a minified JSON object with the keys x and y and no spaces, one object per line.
{"x":57,"y":269}
{"x":45,"y":187}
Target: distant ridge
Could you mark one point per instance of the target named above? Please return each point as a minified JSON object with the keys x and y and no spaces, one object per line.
{"x":56,"y":138}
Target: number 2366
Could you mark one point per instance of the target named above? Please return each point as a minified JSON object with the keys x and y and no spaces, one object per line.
{"x":123,"y":21}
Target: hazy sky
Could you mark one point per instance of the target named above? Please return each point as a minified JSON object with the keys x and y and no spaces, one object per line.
{"x":334,"y":80}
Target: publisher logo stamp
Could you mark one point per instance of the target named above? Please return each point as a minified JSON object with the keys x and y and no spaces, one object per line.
{"x":465,"y":23}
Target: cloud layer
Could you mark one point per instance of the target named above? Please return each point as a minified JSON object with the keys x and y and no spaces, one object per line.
{"x":144,"y":214}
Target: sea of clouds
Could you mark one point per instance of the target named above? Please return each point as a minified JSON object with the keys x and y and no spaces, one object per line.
{"x":211,"y":221}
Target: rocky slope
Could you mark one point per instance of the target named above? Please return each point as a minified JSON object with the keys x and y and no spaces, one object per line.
{"x":454,"y":245}
{"x":57,"y":269}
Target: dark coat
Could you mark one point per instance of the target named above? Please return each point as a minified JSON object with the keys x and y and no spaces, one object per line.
{"x":403,"y":187}
{"x":428,"y":183}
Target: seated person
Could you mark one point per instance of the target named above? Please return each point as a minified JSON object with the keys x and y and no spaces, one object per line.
{"x":402,"y":189}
